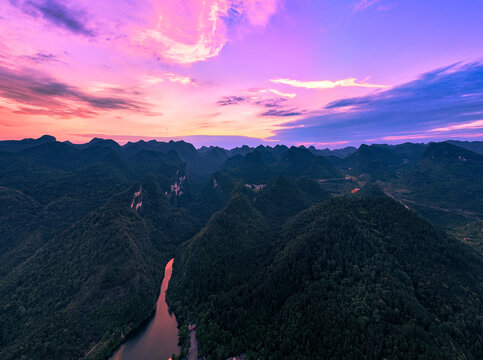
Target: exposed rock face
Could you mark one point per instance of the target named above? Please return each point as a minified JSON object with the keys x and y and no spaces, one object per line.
{"x":176,"y":189}
{"x":137,"y":200}
{"x":255,"y":187}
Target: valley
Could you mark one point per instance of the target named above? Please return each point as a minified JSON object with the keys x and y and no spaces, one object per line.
{"x":379,"y":250}
{"x":158,"y":339}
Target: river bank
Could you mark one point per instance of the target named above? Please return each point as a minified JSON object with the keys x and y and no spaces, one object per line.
{"x":158,"y":340}
{"x":193,"y":352}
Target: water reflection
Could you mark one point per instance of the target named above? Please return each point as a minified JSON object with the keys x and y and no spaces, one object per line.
{"x":159,"y":339}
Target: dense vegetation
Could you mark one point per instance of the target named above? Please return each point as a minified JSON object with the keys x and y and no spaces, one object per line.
{"x":274,"y":256}
{"x":80,"y":263}
{"x":447,"y":176}
{"x":355,"y":277}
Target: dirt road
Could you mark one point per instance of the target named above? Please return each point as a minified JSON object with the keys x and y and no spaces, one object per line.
{"x":193,"y":353}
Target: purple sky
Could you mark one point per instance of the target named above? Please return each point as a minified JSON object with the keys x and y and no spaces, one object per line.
{"x":228,"y":72}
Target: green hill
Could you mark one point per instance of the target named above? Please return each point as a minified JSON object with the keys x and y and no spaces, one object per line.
{"x":447,"y":176}
{"x":99,"y":279}
{"x":354,"y":277}
{"x":370,"y":163}
{"x":261,"y":166}
{"x":281,"y":268}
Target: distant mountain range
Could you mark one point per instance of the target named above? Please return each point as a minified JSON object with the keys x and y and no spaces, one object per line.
{"x":280,"y":252}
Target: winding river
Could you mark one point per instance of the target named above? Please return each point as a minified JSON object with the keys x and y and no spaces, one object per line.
{"x":159,"y":339}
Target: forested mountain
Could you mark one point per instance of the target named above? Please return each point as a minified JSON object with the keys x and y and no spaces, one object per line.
{"x":371,"y":163}
{"x":448,"y":176}
{"x":354,"y":277}
{"x":14,"y":145}
{"x":83,"y":288}
{"x":475,"y":146}
{"x":279,"y":252}
{"x":83,"y":242}
{"x":261,"y":166}
{"x":408,"y":151}
{"x":340,"y":153}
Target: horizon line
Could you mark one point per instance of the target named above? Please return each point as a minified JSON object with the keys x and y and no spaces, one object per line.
{"x":262,"y":141}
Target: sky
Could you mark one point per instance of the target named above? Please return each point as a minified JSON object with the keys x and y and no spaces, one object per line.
{"x":328,"y":73}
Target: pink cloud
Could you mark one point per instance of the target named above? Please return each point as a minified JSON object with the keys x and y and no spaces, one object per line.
{"x":332,"y":143}
{"x":256,"y":94}
{"x":195,"y":30}
{"x":171,"y":77}
{"x":185,"y":80}
{"x":28,"y":91}
{"x":431,"y":136}
{"x":258,"y":12}
{"x":364,"y":4}
{"x":469,"y":125}
{"x":326,"y":84}
{"x":280,"y":93}
{"x":405,"y":137}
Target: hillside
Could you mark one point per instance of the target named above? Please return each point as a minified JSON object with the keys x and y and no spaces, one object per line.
{"x":371,"y":163}
{"x":272,"y":249}
{"x":84,"y":240}
{"x":260,"y":166}
{"x":100,"y":277}
{"x":447,"y":176}
{"x":375,"y":279}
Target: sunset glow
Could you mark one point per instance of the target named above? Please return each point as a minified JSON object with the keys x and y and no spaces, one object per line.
{"x":271,"y":71}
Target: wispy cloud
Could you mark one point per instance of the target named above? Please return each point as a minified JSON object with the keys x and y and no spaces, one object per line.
{"x":442,"y":136}
{"x":274,"y":91}
{"x":37,"y":93}
{"x":277,"y":102}
{"x":266,"y":101}
{"x":405,"y":137}
{"x":41,"y":57}
{"x":57,"y":13}
{"x":326,"y":84}
{"x":97,"y":86}
{"x":171,"y":77}
{"x":232,"y":100}
{"x":332,"y":143}
{"x":364,"y":4}
{"x":204,"y":32}
{"x":478,"y":124}
{"x":422,"y":108}
{"x":282,"y":113}
{"x":185,"y":80}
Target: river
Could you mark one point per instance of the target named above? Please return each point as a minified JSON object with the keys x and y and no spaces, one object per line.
{"x":158,"y":340}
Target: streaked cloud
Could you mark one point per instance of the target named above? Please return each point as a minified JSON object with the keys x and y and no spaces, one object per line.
{"x":273,"y":112}
{"x":278,"y":105}
{"x":262,"y":97}
{"x":332,"y":143}
{"x":81,"y":67}
{"x":478,"y":124}
{"x":326,"y":84}
{"x":57,"y":13}
{"x":185,"y":80}
{"x":171,"y":77}
{"x":40,"y":58}
{"x":231,"y":100}
{"x":405,"y":137}
{"x":428,"y":136}
{"x":203,"y":33}
{"x":96,"y":86}
{"x":420,"y":109}
{"x":280,"y":93}
{"x":364,"y":4}
{"x":34,"y":92}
